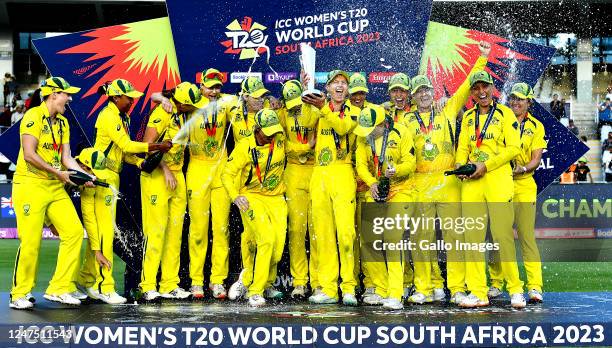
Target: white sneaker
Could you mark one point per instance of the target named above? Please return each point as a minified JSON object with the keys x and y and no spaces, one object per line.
{"x":371,"y":298}
{"x":176,"y":294}
{"x":393,"y":304}
{"x":150,"y":295}
{"x":197,"y":291}
{"x":218,"y":291}
{"x":66,"y":298}
{"x":30,"y":297}
{"x":458,"y":297}
{"x":317,"y":291}
{"x":93,"y":293}
{"x":534,"y":296}
{"x":420,"y":298}
{"x":494,"y":292}
{"x":273,"y":294}
{"x":322,"y":298}
{"x":299,"y":292}
{"x":112,"y":298}
{"x":517,"y":301}
{"x":78,"y":294}
{"x":472,"y":301}
{"x":408,"y":291}
{"x":21,"y":303}
{"x":257,"y":301}
{"x":237,"y":290}
{"x":349,"y":300}
{"x":439,"y":295}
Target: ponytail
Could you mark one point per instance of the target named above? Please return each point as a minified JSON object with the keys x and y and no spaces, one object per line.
{"x":103,"y":88}
{"x":35,"y":99}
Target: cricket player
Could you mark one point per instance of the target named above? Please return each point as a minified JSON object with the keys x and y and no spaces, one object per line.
{"x":399,"y":95}
{"x":532,"y":134}
{"x":438,"y":195}
{"x":489,"y":139}
{"x":164,"y":199}
{"x":38,"y":190}
{"x":259,"y":160}
{"x":332,"y":192}
{"x":385,"y":149}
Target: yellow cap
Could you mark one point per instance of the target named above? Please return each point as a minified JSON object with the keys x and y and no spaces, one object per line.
{"x":400,"y":80}
{"x":522,"y":90}
{"x":369,"y":118}
{"x":254,"y":87}
{"x":92,"y":158}
{"x":292,"y":94}
{"x":357,"y":83}
{"x":187,"y":93}
{"x":122,"y":87}
{"x":212,"y":77}
{"x":57,"y":84}
{"x":268,"y":120}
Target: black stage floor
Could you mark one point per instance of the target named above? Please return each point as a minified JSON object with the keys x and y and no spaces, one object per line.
{"x":565,"y":307}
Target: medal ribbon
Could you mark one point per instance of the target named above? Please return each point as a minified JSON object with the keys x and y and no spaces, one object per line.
{"x":57,"y":150}
{"x":523,"y":125}
{"x":481,"y":134}
{"x":336,"y":136}
{"x":429,"y":128}
{"x":211,"y":130}
{"x":302,"y":137}
{"x":268,"y":162}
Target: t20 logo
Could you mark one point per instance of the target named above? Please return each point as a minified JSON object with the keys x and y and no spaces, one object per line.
{"x":246,"y":38}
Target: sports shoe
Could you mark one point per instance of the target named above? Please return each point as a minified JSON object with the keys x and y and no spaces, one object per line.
{"x":237,"y":290}
{"x":420,"y":298}
{"x":30,"y":297}
{"x":112,"y":298}
{"x":21,"y":303}
{"x":78,"y":294}
{"x":439,"y":295}
{"x":93,"y":293}
{"x":371,"y":298}
{"x":517,"y":301}
{"x":317,"y":291}
{"x":458,"y":297}
{"x":150,"y":295}
{"x":322,"y":298}
{"x":176,"y":294}
{"x":257,"y":301}
{"x":66,"y":298}
{"x":197,"y":291}
{"x":273,"y":294}
{"x":494,"y":292}
{"x":299,"y":292}
{"x":349,"y":300}
{"x":218,"y":291}
{"x":472,"y":301}
{"x":393,"y":304}
{"x":534,"y":296}
{"x":408,"y":291}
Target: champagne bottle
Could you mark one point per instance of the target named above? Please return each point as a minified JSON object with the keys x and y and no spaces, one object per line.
{"x":81,"y":178}
{"x":151,"y":162}
{"x":384,"y":184}
{"x":466,"y":169}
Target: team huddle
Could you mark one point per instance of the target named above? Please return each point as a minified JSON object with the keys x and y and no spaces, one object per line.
{"x":300,"y":168}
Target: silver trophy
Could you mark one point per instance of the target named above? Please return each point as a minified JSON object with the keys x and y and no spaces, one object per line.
{"x":307,"y":60}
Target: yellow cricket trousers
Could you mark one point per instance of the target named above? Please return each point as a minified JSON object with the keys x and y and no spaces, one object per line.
{"x":360,"y":266}
{"x":33,"y":199}
{"x":267,"y":221}
{"x":332,"y":192}
{"x":205,"y":196}
{"x":163,"y":213}
{"x":489,"y":199}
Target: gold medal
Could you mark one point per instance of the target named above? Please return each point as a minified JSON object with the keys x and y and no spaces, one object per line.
{"x":303,"y":159}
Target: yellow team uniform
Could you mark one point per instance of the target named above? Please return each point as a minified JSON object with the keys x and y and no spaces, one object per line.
{"x":491,"y":195}
{"x":206,"y":195}
{"x":388,"y":277}
{"x":163,"y":210}
{"x":438,"y":195}
{"x":525,"y":192}
{"x":266,"y":217}
{"x":36,"y":194}
{"x":300,"y":159}
{"x":99,"y":204}
{"x":332,"y":193}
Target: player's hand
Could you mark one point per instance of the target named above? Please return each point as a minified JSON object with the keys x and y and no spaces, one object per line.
{"x":485,"y":48}
{"x":481,"y":170}
{"x":460,"y":177}
{"x":170,"y":179}
{"x":64,"y":177}
{"x":305,"y":78}
{"x":166,"y":104}
{"x":518,"y":170}
{"x":374,"y":190}
{"x":242,"y":202}
{"x":102,"y":260}
{"x":317,"y":101}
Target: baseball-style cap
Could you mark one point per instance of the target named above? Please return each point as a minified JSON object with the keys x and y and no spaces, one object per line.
{"x":268,"y":120}
{"x":187,"y":93}
{"x":57,"y":84}
{"x":522,"y":90}
{"x":420,"y":81}
{"x":212,"y":77}
{"x":92,"y":158}
{"x":582,"y":159}
{"x":332,"y":75}
{"x":369,"y":118}
{"x":254,"y":87}
{"x":357,"y":83}
{"x":122,"y":87}
{"x":480,"y":76}
{"x":292,"y":94}
{"x":400,"y":80}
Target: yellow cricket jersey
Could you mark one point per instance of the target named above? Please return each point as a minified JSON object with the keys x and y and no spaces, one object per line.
{"x":336,"y":149}
{"x":169,"y":125}
{"x":207,"y":135}
{"x":242,"y":121}
{"x":501,"y":141}
{"x":112,"y":136}
{"x":51,"y":135}
{"x":532,"y":138}
{"x":269,"y":181}
{"x":298,"y":124}
{"x":399,"y":154}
